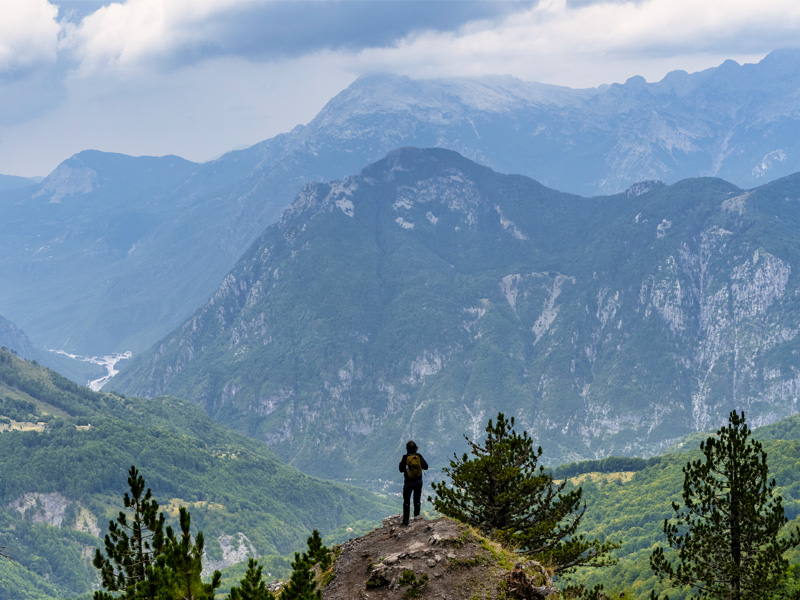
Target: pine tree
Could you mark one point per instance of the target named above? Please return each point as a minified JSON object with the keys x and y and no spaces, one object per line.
{"x":132,"y":544}
{"x":252,"y":586}
{"x":301,"y":584}
{"x":727,"y":533}
{"x":180,"y":566}
{"x":317,"y":553}
{"x":146,"y":561}
{"x":503,"y":491}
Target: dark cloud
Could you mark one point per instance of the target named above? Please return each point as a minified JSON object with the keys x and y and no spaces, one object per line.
{"x":293,"y":28}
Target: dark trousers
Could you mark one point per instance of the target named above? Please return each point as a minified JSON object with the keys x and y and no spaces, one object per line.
{"x":410,"y":487}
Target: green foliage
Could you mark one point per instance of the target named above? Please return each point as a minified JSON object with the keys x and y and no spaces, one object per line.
{"x":18,"y":410}
{"x":596,"y":592}
{"x":301,"y":585}
{"x":414,"y":583}
{"x":143,"y":561}
{"x":317,"y":553}
{"x":229,"y":482}
{"x":504,"y":492}
{"x":727,"y":533}
{"x":178,"y":569}
{"x":252,"y":586}
{"x":131,"y":545}
{"x":610,"y":464}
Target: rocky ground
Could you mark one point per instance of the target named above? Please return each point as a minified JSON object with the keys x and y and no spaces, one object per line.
{"x":438,"y":559}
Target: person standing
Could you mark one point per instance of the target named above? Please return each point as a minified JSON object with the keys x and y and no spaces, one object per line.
{"x":411,"y":466}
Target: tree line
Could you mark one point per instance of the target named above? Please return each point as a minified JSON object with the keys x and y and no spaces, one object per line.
{"x":610,"y":464}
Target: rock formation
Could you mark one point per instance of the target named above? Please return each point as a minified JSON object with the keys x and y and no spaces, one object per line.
{"x":439,"y":559}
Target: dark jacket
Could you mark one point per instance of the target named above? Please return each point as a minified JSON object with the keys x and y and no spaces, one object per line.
{"x":403,"y":466}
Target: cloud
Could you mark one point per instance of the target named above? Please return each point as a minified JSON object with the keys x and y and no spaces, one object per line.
{"x":127,"y":34}
{"x":585,"y":43}
{"x":197,"y":111}
{"x":29,"y":33}
{"x":144,"y":33}
{"x":198,"y":77}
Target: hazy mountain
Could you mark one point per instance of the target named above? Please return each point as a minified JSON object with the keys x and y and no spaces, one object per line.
{"x":426,"y":294}
{"x":13,"y":338}
{"x":64,"y":456}
{"x":10,"y":182}
{"x":110,"y":252}
{"x":738,"y":122}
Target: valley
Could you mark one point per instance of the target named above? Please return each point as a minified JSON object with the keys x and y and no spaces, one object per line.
{"x":108,"y":362}
{"x":261,"y":334}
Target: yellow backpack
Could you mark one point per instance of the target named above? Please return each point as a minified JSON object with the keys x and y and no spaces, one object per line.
{"x":413,"y":466}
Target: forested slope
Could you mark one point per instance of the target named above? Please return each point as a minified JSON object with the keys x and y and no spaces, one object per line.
{"x":64,"y":454}
{"x":630,"y":507}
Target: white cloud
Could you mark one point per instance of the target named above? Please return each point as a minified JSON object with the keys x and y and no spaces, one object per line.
{"x":131,"y":33}
{"x":552,"y":41}
{"x":29,"y":33}
{"x":584,"y":45}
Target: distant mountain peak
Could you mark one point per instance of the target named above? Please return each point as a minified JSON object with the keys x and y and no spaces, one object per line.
{"x":643,"y":187}
{"x":70,"y":178}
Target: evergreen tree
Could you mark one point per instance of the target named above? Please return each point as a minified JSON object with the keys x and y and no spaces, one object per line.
{"x":301,"y":584}
{"x":727,"y":533}
{"x":252,"y":586}
{"x":179,"y":567}
{"x":132,"y":544}
{"x":503,"y":491}
{"x":146,"y":561}
{"x":317,"y":553}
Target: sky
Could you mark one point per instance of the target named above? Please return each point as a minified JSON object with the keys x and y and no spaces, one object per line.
{"x":198,"y":78}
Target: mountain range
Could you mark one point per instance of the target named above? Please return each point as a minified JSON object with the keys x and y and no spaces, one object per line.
{"x":109,"y":253}
{"x":615,"y":267}
{"x":428,"y":293}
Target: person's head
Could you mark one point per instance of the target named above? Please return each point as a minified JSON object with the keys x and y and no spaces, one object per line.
{"x":411,"y":447}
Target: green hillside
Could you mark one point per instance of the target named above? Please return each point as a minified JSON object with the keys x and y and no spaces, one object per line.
{"x":64,"y":454}
{"x":630,"y":507}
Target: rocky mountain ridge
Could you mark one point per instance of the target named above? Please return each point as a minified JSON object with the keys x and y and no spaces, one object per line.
{"x":134,"y":245}
{"x":421,"y":297}
{"x":14,"y":338}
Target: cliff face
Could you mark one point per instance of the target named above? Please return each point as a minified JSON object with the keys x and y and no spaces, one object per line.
{"x":421,"y":297}
{"x":14,"y":338}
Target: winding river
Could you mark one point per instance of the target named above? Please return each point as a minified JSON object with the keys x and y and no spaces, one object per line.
{"x":108,"y":361}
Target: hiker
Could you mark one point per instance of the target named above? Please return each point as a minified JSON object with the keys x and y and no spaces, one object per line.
{"x":411,"y":466}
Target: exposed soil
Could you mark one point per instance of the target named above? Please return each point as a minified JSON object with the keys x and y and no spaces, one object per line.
{"x":458,"y":564}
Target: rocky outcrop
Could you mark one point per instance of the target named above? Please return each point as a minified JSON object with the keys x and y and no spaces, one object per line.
{"x":234,"y":550}
{"x":42,"y":508}
{"x":439,"y":559}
